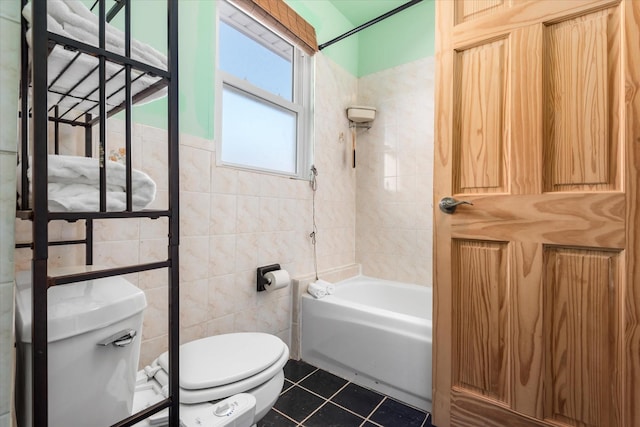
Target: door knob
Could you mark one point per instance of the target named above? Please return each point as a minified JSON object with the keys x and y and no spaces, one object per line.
{"x":448,"y":205}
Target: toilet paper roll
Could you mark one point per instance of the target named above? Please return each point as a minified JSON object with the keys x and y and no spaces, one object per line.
{"x":277,"y":279}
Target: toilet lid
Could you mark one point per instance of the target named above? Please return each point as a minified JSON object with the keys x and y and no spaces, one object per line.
{"x":224,"y":359}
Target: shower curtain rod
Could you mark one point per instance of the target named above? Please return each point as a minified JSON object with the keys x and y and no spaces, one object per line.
{"x":368,"y":24}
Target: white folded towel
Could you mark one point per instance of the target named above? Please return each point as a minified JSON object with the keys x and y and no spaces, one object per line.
{"x":317,"y":290}
{"x":328,"y":286}
{"x":70,"y":18}
{"x":74,"y":185}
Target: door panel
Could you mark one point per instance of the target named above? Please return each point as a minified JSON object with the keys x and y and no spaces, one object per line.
{"x":528,"y":349}
{"x":537,"y":284}
{"x":479,"y":119}
{"x":581,"y":332}
{"x":581,"y":90}
{"x":473,"y":9}
{"x":481,"y":332}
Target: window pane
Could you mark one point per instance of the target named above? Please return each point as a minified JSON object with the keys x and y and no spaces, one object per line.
{"x":256,"y":133}
{"x":269,"y":68}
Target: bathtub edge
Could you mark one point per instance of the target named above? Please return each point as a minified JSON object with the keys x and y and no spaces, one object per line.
{"x":299,"y":287}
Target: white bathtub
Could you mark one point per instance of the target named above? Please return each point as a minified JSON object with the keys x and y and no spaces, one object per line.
{"x":376,"y":333}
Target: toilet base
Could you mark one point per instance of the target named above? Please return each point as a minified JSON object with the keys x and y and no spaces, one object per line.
{"x":262,"y":397}
{"x":267,"y":394}
{"x":235,"y":411}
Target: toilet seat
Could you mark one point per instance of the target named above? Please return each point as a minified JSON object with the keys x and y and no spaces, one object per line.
{"x":223,"y":365}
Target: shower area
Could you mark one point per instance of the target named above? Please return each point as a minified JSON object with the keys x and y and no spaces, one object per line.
{"x":393,"y":164}
{"x":361,"y":338}
{"x":391,"y":182}
{"x":394,"y":206}
{"x":391,"y":167}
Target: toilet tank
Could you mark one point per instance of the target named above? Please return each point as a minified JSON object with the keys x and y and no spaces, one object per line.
{"x":91,"y":371}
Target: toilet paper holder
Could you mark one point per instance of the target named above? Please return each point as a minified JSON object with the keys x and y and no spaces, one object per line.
{"x":262,"y":281}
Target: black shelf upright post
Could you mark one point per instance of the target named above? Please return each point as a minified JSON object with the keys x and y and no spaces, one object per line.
{"x":88,"y":226}
{"x":56,"y":131}
{"x":128,"y":106}
{"x":39,"y":51}
{"x":102,"y":107}
{"x":24,"y":113}
{"x":174,"y":208}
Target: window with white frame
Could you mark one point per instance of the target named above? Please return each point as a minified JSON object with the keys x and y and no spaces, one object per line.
{"x":263,"y":97}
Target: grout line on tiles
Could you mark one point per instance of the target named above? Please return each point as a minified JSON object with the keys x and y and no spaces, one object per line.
{"x":284,"y":390}
{"x":337,"y":404}
{"x":371,"y":422}
{"x":312,"y":413}
{"x":323,"y":398}
{"x":305,"y":377}
{"x":349,"y":410}
{"x":284,"y":415}
{"x":327,"y":401}
{"x":312,"y":392}
{"x":367,"y":418}
{"x":338,"y":391}
{"x":428,"y":418}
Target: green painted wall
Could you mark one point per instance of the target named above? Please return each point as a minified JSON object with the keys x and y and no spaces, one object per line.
{"x":196,"y":69}
{"x":402,"y":38}
{"x":329,"y":24}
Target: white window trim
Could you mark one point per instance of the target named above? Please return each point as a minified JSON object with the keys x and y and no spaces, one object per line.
{"x":302,"y":106}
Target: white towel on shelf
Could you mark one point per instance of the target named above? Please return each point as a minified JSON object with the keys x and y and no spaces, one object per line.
{"x":317,"y":290}
{"x":71,"y":18}
{"x":82,"y":24}
{"x":74,"y":185}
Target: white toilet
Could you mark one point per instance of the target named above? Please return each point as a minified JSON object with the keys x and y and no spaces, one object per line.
{"x":222,"y":366}
{"x":94,"y":334}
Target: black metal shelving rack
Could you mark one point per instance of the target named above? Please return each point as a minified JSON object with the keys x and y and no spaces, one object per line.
{"x":34,"y":75}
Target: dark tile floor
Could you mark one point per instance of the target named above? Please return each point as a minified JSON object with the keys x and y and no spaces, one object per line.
{"x":312,"y":397}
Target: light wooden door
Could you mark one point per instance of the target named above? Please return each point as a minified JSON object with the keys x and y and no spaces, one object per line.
{"x":537,"y":284}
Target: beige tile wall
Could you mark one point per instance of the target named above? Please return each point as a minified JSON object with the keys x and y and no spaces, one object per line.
{"x":394,"y":180}
{"x":231,"y":222}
